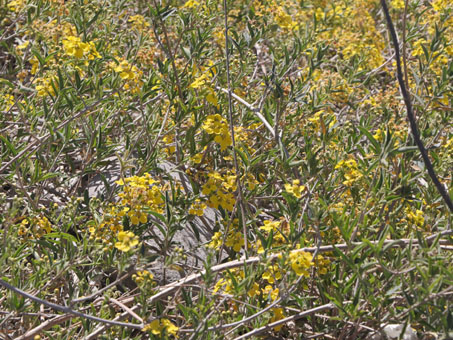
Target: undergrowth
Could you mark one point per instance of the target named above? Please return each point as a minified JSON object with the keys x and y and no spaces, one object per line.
{"x":174,"y":183}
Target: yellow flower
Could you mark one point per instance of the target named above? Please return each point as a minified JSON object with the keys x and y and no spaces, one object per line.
{"x":255,"y":290}
{"x":235,"y":240}
{"x":273,"y":293}
{"x":142,"y":276}
{"x":216,"y":125}
{"x":191,"y":4}
{"x":416,"y":217}
{"x":278,"y":315}
{"x":270,"y":226}
{"x":161,"y":326}
{"x":300,"y":262}
{"x":44,"y":86}
{"x":126,"y":241}
{"x":216,"y":240}
{"x":73,"y":46}
{"x":272,"y":273}
{"x":398,"y":4}
{"x":350,"y":169}
{"x":295,"y":189}
{"x":284,"y":20}
{"x":197,"y":208}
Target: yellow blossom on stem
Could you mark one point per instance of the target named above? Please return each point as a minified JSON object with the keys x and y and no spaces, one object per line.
{"x":255,"y":290}
{"x":126,"y":241}
{"x":272,"y":273}
{"x":278,"y":315}
{"x":197,"y":208}
{"x":295,"y":189}
{"x":191,"y":4}
{"x":161,"y":326}
{"x":301,"y":261}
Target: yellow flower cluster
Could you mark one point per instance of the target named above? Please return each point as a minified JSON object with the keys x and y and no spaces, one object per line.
{"x":126,"y":241}
{"x":139,"y":195}
{"x":277,"y":228}
{"x":197,"y":208}
{"x":142,"y":276}
{"x":16,"y":5}
{"x":350,"y":169}
{"x":234,"y":240}
{"x":226,"y":285}
{"x":138,"y":22}
{"x":6,"y":101}
{"x":169,"y":142}
{"x":217,"y":126}
{"x":415,"y":217}
{"x":284,"y":20}
{"x":272,"y":273}
{"x":360,"y":38}
{"x":130,"y":74}
{"x":441,"y":5}
{"x":202,"y":81}
{"x":34,"y":227}
{"x":220,"y":190}
{"x":300,"y":261}
{"x":273,"y":293}
{"x":161,"y":327}
{"x":295,"y":189}
{"x":75,"y":47}
{"x":44,"y":86}
{"x":398,"y":4}
{"x":111,"y":225}
{"x":191,"y":4}
{"x":322,"y":264}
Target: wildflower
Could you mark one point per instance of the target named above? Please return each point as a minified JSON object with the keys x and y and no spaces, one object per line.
{"x":270,"y":291}
{"x":216,"y":125}
{"x":235,"y":240}
{"x":129,"y":73}
{"x":161,"y":326}
{"x":284,"y":20}
{"x":295,"y":189}
{"x":199,"y":82}
{"x":270,"y":226}
{"x":278,"y":315}
{"x":272,"y":273}
{"x":191,"y":4}
{"x":73,"y":46}
{"x":415,"y":217}
{"x":321,"y":264}
{"x":142,"y":276}
{"x":255,"y":290}
{"x":126,"y":241}
{"x":197,"y":158}
{"x":350,"y":169}
{"x":197,"y":208}
{"x":138,"y":22}
{"x":216,"y":240}
{"x":35,"y":227}
{"x":44,"y":86}
{"x":300,"y":262}
{"x":398,"y":4}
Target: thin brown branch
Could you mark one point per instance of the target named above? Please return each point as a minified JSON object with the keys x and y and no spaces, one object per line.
{"x":65,"y":309}
{"x":410,"y":113}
